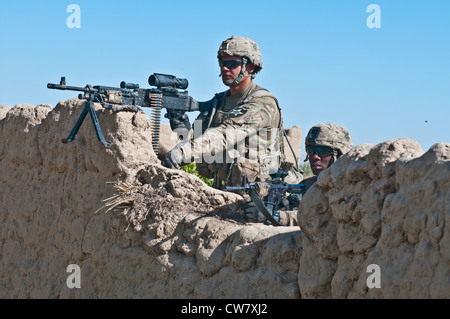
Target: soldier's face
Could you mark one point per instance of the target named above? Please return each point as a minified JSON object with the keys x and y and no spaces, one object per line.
{"x":319,"y":164}
{"x":230,"y":69}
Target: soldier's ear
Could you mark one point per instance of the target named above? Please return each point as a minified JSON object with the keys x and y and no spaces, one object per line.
{"x":250,"y":68}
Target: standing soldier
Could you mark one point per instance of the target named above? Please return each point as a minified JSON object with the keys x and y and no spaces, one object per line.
{"x":242,"y":132}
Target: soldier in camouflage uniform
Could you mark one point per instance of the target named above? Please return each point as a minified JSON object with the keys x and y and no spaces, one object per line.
{"x":324,"y":144}
{"x":243,"y":131}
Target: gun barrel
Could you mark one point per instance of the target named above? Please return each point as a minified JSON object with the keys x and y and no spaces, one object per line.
{"x":69,"y":88}
{"x":234,"y":188}
{"x":297,"y":188}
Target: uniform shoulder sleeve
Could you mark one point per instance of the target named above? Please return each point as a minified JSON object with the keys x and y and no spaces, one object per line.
{"x":260,"y":109}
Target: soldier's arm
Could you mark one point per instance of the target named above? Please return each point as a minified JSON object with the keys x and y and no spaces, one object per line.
{"x":242,"y":122}
{"x":288,"y":218}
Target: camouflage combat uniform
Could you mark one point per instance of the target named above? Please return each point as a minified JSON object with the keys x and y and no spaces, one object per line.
{"x":253,"y":120}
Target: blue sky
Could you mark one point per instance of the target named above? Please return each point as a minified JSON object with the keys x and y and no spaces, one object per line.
{"x":321,"y":60}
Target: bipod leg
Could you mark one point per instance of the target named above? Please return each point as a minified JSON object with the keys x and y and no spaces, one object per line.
{"x":73,"y":134}
{"x":97,"y":127}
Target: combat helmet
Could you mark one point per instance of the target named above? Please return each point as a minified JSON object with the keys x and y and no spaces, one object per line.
{"x":329,"y":135}
{"x":245,"y":48}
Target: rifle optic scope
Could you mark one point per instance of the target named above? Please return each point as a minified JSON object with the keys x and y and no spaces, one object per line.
{"x":165,"y":80}
{"x":132,"y":86}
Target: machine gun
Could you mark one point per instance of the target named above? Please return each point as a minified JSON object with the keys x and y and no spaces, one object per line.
{"x":168,"y":94}
{"x":280,"y":195}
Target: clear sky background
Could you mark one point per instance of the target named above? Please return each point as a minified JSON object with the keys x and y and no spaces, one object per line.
{"x":320,"y":58}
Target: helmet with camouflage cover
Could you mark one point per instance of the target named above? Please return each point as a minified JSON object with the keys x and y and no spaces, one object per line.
{"x":329,"y":135}
{"x":243,"y":47}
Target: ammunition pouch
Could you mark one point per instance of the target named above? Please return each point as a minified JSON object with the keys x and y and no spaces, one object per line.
{"x":294,"y":175}
{"x":206,"y":170}
{"x":238,"y":170}
{"x":233,"y":173}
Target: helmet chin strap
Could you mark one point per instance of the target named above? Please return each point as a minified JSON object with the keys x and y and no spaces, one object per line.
{"x":242,"y":74}
{"x":331,"y":161}
{"x":334,"y":157}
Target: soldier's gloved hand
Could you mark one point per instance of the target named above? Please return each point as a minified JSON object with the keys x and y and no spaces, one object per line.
{"x":180,"y":123}
{"x":252,"y":213}
{"x":173,"y":159}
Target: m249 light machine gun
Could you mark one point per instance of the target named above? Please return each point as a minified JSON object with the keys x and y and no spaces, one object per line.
{"x":168,"y":94}
{"x":278,"y":195}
